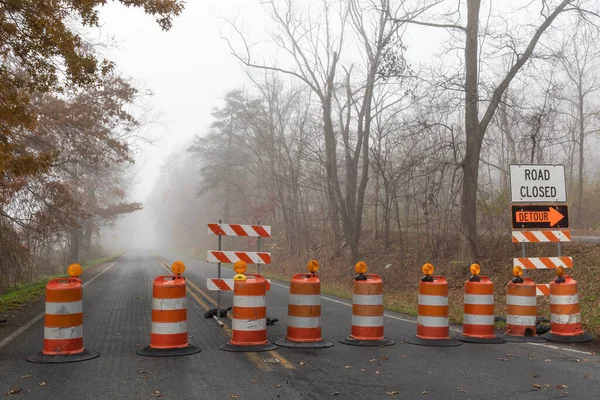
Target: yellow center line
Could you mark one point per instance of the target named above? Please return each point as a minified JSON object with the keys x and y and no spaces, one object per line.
{"x":253,"y":357}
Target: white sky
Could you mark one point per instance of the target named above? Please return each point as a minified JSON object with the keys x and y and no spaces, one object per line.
{"x":188,"y":69}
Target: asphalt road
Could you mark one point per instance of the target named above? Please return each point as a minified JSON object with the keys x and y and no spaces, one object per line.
{"x":117,"y":306}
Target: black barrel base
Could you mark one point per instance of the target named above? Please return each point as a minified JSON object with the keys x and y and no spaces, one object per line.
{"x":248,"y":349}
{"x":183,"y":351}
{"x":41,"y":358}
{"x":370,"y":343}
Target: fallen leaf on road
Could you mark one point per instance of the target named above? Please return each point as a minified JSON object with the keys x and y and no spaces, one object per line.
{"x":142,"y":371}
{"x":547,"y":360}
{"x":377,"y":372}
{"x":529,"y":357}
{"x":561,"y":386}
{"x":157,"y":393}
{"x":502,"y":359}
{"x":253,"y":381}
{"x":233,"y":396}
{"x":335,"y":393}
{"x":586,"y":376}
{"x":510,"y":355}
{"x":384,"y":357}
{"x":42,"y":384}
{"x":392,"y":393}
{"x":301,"y":363}
{"x":403,"y":356}
{"x":347,"y":367}
{"x":463,"y":391}
{"x":424,"y":392}
{"x":14,"y":391}
{"x":535,"y":385}
{"x":363,"y":370}
{"x":277,"y":386}
{"x":26,"y":376}
{"x":536,"y":375}
{"x":373,"y":360}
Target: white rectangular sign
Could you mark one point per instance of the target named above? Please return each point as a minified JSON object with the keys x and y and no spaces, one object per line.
{"x":539,"y":183}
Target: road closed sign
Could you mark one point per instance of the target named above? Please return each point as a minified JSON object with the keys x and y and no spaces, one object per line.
{"x":539,"y":183}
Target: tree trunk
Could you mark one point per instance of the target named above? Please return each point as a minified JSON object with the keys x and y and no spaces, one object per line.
{"x":470,"y":164}
{"x":579,"y":206}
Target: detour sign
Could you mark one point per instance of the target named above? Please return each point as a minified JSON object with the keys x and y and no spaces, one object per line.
{"x":535,"y":216}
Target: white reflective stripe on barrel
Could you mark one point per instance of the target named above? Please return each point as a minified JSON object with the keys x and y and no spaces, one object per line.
{"x":434,"y":322}
{"x":426,"y":300}
{"x":167,"y":328}
{"x":573,"y":299}
{"x":249,"y":301}
{"x":520,"y":300}
{"x":249,"y":324}
{"x":565,"y":318}
{"x":305,"y":299}
{"x":375,"y":321}
{"x":519,"y":320}
{"x":72,"y":307}
{"x":479,"y":298}
{"x":367,"y":299}
{"x":74,"y":332}
{"x":304,"y":322}
{"x":470,"y":319}
{"x":168,"y":304}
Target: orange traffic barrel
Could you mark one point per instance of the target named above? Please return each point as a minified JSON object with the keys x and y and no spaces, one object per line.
{"x":249,"y":313}
{"x":169,"y":334}
{"x":63,"y":321}
{"x":432,"y":314}
{"x":367,"y":310}
{"x":565,"y":315}
{"x":304,"y":311}
{"x":521,"y":308}
{"x":478,"y":318}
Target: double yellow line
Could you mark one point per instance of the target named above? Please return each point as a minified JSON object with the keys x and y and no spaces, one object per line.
{"x":200,"y":295}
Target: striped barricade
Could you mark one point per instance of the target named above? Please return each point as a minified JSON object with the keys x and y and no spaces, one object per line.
{"x":239,"y":230}
{"x":543,"y":262}
{"x":541,"y":236}
{"x":231,"y":257}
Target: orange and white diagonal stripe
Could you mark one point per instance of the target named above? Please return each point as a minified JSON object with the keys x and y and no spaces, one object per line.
{"x":543,"y":262}
{"x":541,"y":236}
{"x":542,"y":289}
{"x":239,"y":230}
{"x":230,"y":257}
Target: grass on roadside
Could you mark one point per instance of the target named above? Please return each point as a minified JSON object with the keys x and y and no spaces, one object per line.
{"x":27,"y":293}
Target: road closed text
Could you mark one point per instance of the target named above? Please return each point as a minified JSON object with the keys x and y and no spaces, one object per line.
{"x":538,"y":191}
{"x":537,"y":183}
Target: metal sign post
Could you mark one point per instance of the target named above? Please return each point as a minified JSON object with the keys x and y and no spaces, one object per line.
{"x":218,"y":316}
{"x":258,"y":265}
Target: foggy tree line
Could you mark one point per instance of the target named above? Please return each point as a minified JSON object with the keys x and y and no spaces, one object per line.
{"x":342,"y":134}
{"x":66,"y":134}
